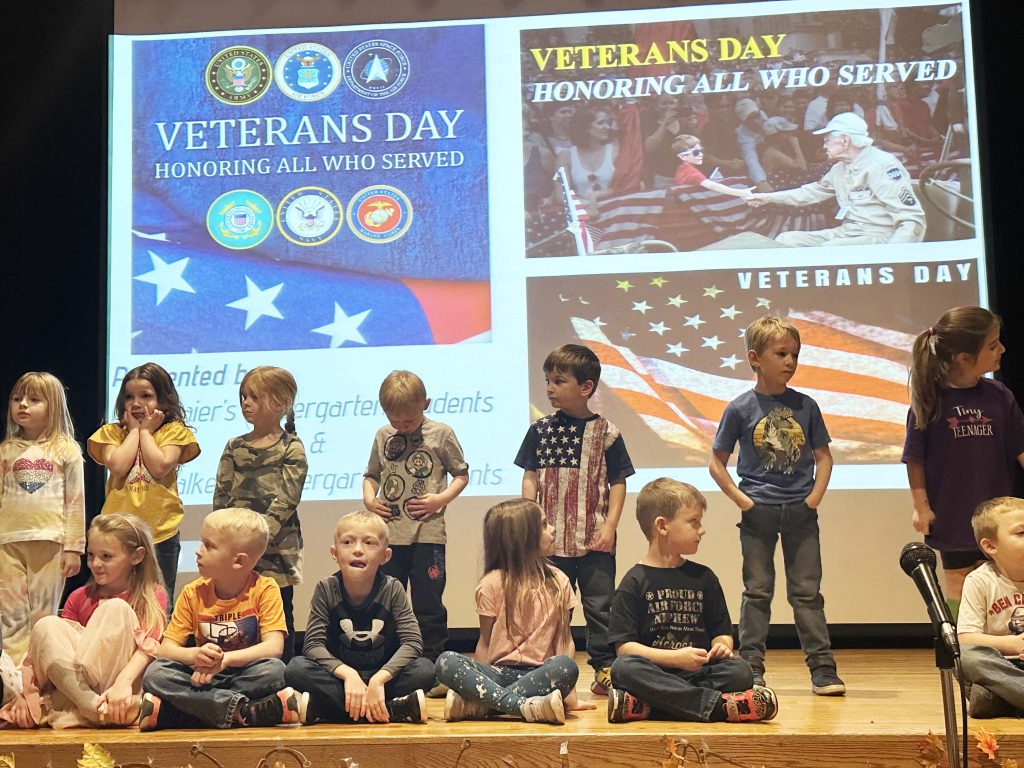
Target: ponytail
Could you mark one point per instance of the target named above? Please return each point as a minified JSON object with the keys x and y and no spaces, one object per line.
{"x":961,"y":330}
{"x":289,"y":421}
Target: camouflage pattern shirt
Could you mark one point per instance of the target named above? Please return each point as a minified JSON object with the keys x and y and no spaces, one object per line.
{"x":268,"y":480}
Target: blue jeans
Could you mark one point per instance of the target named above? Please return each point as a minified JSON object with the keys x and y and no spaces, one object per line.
{"x":505,"y":688}
{"x":989,"y":668}
{"x":595,"y":574}
{"x":167,"y":552}
{"x":327,"y":692}
{"x":213,"y":705}
{"x":678,"y":695}
{"x":760,"y":529}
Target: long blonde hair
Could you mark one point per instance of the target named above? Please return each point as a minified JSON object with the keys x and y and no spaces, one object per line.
{"x":960,"y":330}
{"x":47,"y":387}
{"x":512,"y":547}
{"x":132,"y":533}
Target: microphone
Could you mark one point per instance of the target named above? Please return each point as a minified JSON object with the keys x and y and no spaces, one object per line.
{"x":918,"y":562}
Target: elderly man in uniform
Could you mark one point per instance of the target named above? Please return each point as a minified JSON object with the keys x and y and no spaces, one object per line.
{"x":876,"y":202}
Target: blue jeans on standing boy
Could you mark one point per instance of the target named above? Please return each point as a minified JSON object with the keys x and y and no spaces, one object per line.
{"x":760,"y":529}
{"x":595,"y":574}
{"x":167,"y":553}
{"x":675,"y":694}
{"x":213,"y":705}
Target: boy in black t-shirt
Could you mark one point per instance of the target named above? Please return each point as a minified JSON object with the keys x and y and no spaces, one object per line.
{"x":670,"y":625}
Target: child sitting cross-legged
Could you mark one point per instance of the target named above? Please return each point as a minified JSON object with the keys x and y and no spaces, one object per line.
{"x":234,"y":675}
{"x":361,"y":659}
{"x":670,"y":625}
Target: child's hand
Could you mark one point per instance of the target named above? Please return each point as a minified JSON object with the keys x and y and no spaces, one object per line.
{"x":746,"y":194}
{"x":129,"y":421}
{"x":378,"y":506}
{"x":424,"y":506}
{"x":573,"y":703}
{"x":374,"y":708}
{"x":923,"y":520}
{"x":691,"y":659}
{"x":153,"y":420}
{"x":355,"y":694}
{"x":605,"y":539}
{"x":757,"y":199}
{"x":20,"y":712}
{"x":117,"y":705}
{"x":70,"y":564}
{"x":207,"y":655}
{"x":719,"y":651}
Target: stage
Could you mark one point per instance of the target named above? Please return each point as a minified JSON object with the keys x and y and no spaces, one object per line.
{"x":893,"y":701}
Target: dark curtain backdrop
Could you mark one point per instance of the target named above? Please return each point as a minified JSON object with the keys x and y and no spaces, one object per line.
{"x":53,"y":143}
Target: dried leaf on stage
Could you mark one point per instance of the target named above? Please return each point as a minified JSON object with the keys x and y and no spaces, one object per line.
{"x":7,"y":761}
{"x":987,"y":743}
{"x":95,"y":756}
{"x":1009,"y":762}
{"x":931,"y":751}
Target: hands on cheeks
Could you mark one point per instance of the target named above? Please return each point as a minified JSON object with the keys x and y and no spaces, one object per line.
{"x":153,"y":420}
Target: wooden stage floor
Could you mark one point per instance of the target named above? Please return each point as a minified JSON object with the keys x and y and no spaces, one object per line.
{"x":893,"y":701}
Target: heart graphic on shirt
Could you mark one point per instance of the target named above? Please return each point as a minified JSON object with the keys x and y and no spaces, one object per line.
{"x":32,"y":475}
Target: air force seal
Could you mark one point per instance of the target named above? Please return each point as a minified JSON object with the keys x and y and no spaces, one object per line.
{"x":308,"y":72}
{"x":309,"y":216}
{"x":238,"y":75}
{"x":376,"y":69}
{"x":379,"y":214}
{"x":239,"y":219}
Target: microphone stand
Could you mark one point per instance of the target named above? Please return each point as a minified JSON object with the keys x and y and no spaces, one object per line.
{"x":945,"y":663}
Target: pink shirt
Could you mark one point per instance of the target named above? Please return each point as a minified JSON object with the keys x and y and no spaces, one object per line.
{"x":80,"y":606}
{"x":540,"y":623}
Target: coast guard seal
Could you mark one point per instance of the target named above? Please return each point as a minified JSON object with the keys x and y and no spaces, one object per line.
{"x":239,"y":219}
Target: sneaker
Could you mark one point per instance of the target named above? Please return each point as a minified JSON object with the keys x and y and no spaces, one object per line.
{"x":408,"y":709}
{"x":458,"y":708}
{"x":544,"y":709}
{"x":439,"y":691}
{"x":286,"y":707}
{"x":759,"y":677}
{"x":757,"y":704}
{"x":624,"y":707}
{"x":984,"y":703}
{"x":602,"y":682}
{"x":825,"y":682}
{"x":149,"y":712}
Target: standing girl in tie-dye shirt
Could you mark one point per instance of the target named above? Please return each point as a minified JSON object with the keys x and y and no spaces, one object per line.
{"x":42,"y":507}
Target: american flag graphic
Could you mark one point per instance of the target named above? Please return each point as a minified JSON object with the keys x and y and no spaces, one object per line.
{"x":673,"y":354}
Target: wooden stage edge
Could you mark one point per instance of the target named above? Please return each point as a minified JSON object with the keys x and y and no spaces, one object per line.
{"x":893,"y":701}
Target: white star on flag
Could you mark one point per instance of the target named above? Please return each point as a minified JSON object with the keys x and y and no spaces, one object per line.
{"x":642,"y":307}
{"x":258,"y":303}
{"x":713,"y":291}
{"x":694,"y":321}
{"x":712,"y":341}
{"x":766,"y":303}
{"x":677,"y":301}
{"x":166,"y":277}
{"x":344,"y":328}
{"x":598,"y":321}
{"x":659,"y":328}
{"x":731,"y":361}
{"x":730,"y":312}
{"x":676,"y":349}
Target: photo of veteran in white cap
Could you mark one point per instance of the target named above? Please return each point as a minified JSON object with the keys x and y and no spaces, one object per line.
{"x":872,"y":188}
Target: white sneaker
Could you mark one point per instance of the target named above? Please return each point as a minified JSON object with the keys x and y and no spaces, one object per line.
{"x":544,"y":709}
{"x":458,"y":708}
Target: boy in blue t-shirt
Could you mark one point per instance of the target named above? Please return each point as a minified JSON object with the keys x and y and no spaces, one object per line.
{"x":784,"y":466}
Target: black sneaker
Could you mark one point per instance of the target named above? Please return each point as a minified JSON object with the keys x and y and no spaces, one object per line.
{"x":408,"y":709}
{"x":984,"y":703}
{"x":286,"y":707}
{"x":825,"y":682}
{"x":624,"y":707}
{"x":759,"y":677}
